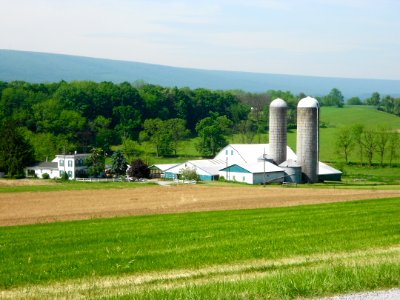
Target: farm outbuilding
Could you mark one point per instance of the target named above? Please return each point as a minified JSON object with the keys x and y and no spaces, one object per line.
{"x":206,"y":169}
{"x":256,"y":173}
{"x":158,"y":170}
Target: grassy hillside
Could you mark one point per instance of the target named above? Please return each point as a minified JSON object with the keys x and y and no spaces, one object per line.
{"x":302,"y":251}
{"x":357,"y":114}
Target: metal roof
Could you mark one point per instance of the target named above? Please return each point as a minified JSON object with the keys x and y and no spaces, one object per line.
{"x":249,"y":153}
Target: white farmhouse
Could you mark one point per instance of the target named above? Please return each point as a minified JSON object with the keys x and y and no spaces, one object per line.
{"x":72,"y":164}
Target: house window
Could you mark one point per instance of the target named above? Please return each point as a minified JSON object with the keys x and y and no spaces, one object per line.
{"x":231,"y":152}
{"x":69,"y":163}
{"x":226,"y":152}
{"x":61,"y":163}
{"x":244,"y":178}
{"x":70,"y":174}
{"x":61,"y":173}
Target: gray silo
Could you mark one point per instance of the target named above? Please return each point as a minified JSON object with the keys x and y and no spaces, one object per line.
{"x":308,"y":138}
{"x":277,"y":130}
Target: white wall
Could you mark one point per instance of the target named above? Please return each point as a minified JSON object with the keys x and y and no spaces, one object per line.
{"x":237,"y":176}
{"x":52,"y":173}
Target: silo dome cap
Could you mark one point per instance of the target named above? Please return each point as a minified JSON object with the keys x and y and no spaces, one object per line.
{"x":278,"y":102}
{"x":308,"y":102}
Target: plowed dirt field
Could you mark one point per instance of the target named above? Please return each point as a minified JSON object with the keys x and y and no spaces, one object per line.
{"x":41,"y":207}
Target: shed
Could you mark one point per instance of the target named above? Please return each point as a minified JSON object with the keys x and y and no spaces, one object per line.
{"x":206,"y":169}
{"x":256,"y":173}
{"x":158,"y":170}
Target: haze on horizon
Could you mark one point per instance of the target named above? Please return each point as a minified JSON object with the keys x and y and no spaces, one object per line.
{"x":333,"y":38}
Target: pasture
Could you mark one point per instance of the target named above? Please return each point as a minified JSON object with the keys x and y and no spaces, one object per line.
{"x":271,"y":245}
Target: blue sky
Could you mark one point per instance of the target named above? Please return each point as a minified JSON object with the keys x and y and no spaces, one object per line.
{"x":339,"y":38}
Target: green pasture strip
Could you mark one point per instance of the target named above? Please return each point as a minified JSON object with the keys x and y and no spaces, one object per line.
{"x":342,"y":272}
{"x":292,"y":283}
{"x":73,"y":186}
{"x":45,"y":253}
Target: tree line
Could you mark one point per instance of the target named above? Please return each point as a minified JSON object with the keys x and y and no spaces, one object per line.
{"x":369,"y":144}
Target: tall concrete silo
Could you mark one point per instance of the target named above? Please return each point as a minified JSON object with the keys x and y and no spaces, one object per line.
{"x":308,"y":138}
{"x":277,"y":130}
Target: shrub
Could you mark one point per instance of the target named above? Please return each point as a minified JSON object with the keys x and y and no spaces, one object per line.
{"x":45,"y":176}
{"x":189,"y":174}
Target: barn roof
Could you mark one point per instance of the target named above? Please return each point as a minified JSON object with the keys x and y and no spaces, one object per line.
{"x":249,"y":153}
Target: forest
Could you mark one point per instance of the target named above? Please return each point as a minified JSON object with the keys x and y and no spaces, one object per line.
{"x":51,"y":118}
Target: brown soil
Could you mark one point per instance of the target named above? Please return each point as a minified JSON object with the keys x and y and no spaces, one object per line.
{"x":40,"y":207}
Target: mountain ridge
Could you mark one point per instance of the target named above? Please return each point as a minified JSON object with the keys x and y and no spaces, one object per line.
{"x":39,"y":67}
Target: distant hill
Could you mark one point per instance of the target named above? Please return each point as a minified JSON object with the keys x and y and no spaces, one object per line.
{"x":44,"y":67}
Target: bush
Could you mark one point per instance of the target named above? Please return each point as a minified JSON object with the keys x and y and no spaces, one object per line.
{"x":45,"y":176}
{"x":64,"y":176}
{"x":138,"y":169}
{"x":189,"y":174}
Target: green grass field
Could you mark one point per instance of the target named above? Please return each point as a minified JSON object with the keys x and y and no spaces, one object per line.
{"x":59,"y":185}
{"x":261,"y":253}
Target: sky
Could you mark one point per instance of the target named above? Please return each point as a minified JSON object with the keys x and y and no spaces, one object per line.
{"x":333,"y":38}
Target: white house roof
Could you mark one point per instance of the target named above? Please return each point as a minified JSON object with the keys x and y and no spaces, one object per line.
{"x":248,"y":153}
{"x":259,"y":167}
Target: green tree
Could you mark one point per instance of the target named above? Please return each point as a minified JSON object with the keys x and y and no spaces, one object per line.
{"x":212,"y":133}
{"x":369,"y":141}
{"x":15,"y":151}
{"x":176,"y":128}
{"x":357,"y":132}
{"x":393,"y":147}
{"x":104,"y":136}
{"x":131,"y":149}
{"x":344,"y":142}
{"x":374,"y":99}
{"x":354,"y":101}
{"x":155,"y":131}
{"x":382,"y":137}
{"x":96,"y":162}
{"x":334,"y":98}
{"x":119,"y":164}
